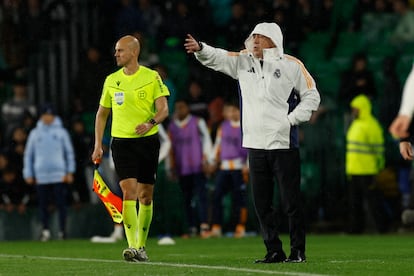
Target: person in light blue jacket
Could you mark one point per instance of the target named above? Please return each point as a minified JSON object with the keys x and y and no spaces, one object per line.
{"x":49,"y":163}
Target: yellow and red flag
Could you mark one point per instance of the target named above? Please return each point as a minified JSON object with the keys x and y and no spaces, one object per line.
{"x":112,"y":202}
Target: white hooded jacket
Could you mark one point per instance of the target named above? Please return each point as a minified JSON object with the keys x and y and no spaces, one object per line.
{"x":275,"y":98}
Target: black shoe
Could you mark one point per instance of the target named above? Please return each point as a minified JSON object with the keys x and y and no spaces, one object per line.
{"x":273,"y":257}
{"x":296,"y":256}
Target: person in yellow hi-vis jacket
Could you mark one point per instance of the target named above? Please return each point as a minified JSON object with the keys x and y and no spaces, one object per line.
{"x":364,"y":160}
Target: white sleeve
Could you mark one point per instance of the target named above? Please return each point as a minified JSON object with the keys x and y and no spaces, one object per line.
{"x":407,"y":101}
{"x":218,"y":60}
{"x":165,"y":143}
{"x":217,"y":144}
{"x":206,"y":139}
{"x":309,"y":97}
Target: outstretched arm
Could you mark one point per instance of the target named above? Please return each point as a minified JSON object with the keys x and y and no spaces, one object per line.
{"x":215,"y":58}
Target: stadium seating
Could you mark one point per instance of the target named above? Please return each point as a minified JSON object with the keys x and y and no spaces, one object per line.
{"x":349,"y":43}
{"x":404,"y":65}
{"x":175,"y":59}
{"x":313,"y":49}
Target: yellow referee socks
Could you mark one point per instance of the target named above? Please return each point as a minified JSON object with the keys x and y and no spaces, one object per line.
{"x":144,"y":222}
{"x":129,"y":213}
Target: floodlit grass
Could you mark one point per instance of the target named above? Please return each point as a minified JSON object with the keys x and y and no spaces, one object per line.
{"x":326,"y":254}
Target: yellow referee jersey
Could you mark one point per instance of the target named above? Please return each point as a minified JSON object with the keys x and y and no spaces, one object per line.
{"x":132,"y":99}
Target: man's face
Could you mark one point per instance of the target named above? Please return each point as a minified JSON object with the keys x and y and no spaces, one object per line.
{"x":261,"y":42}
{"x":47,"y":118}
{"x":234,"y":113}
{"x":354,"y":112}
{"x":123,"y":53}
{"x":20,"y":91}
{"x":231,"y":113}
{"x":181,"y":110}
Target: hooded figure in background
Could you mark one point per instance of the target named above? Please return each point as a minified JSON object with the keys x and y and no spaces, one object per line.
{"x":364,"y":160}
{"x":277,"y":94}
{"x":49,"y":163}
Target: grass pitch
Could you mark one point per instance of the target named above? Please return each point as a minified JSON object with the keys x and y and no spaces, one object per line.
{"x":326,"y":255}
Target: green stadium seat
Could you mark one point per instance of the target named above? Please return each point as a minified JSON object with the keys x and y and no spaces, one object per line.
{"x":88,"y":118}
{"x":310,"y":179}
{"x":344,"y":10}
{"x":328,"y":84}
{"x":311,"y":55}
{"x":379,"y":79}
{"x":348,"y":44}
{"x":313,"y":49}
{"x":375,"y":62}
{"x":342,"y":62}
{"x":326,"y":66}
{"x":380,"y":49}
{"x":376,"y":27}
{"x":176,"y":62}
{"x":408,"y":49}
{"x":404,"y":65}
{"x":319,"y":38}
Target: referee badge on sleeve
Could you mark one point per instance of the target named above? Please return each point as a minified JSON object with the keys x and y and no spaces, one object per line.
{"x":119,"y":98}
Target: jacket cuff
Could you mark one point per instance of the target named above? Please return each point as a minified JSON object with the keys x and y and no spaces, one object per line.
{"x":407,"y":139}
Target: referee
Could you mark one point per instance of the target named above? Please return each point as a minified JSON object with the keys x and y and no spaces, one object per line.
{"x":137,"y":97}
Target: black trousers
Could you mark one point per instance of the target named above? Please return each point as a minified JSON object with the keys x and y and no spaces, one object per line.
{"x":57,"y":192}
{"x":266,"y":166}
{"x":363,"y":187}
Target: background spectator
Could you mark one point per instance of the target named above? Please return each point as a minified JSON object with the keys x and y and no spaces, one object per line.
{"x":87,"y":84}
{"x":178,"y":22}
{"x":191,"y":146}
{"x":82,"y":143}
{"x":14,"y":109}
{"x":15,"y":194}
{"x":230,"y":161}
{"x":404,"y":31}
{"x":128,"y":19}
{"x":49,"y":163}
{"x":358,"y":79}
{"x":364,"y":160}
{"x":238,"y":27}
{"x":15,"y":148}
{"x":196,"y":100}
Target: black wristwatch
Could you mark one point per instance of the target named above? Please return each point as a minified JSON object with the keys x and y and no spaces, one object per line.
{"x":153,"y":122}
{"x":200,"y":45}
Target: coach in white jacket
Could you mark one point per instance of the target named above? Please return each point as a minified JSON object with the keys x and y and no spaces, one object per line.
{"x":277,"y":94}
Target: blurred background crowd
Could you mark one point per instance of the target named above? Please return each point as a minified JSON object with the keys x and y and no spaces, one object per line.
{"x":60,"y":51}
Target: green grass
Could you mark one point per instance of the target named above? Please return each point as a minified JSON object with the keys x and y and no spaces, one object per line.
{"x":326,"y":255}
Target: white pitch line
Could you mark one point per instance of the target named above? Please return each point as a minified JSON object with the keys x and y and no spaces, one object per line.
{"x":273,"y":272}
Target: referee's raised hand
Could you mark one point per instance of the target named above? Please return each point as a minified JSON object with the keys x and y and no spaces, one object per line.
{"x":191,"y":45}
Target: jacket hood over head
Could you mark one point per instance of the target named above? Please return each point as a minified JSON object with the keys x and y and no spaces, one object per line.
{"x":363,"y":104}
{"x":270,"y":30}
{"x":57,"y":123}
